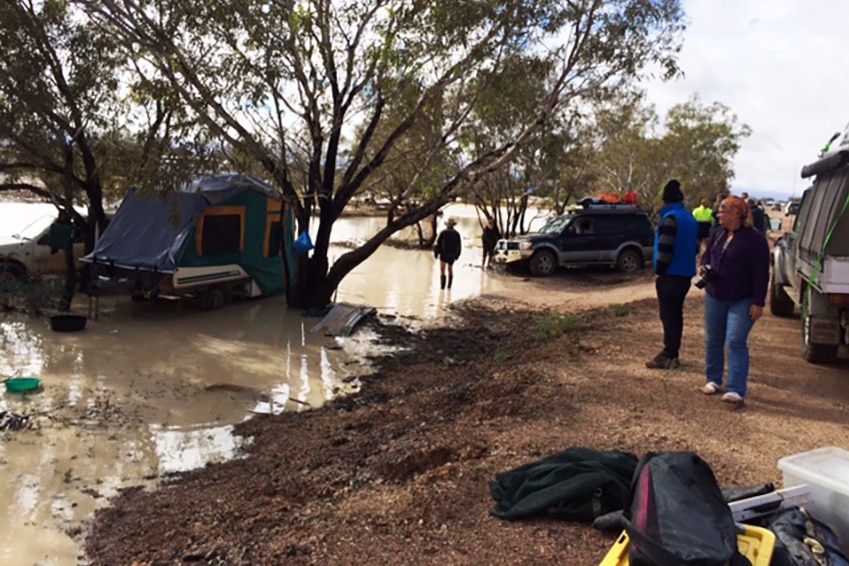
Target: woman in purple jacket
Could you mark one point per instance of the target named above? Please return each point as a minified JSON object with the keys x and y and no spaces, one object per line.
{"x":735,"y":268}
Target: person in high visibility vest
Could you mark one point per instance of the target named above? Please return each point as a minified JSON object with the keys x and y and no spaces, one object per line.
{"x":704,"y":216}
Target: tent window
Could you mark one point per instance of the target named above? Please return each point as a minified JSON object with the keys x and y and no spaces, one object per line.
{"x":273,"y":243}
{"x":222,"y":234}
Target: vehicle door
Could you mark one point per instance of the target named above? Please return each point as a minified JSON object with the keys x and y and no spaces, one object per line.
{"x":47,"y":261}
{"x":610,"y":234}
{"x":43,"y":260}
{"x":30,"y":253}
{"x":578,"y":241}
{"x":639,"y":229}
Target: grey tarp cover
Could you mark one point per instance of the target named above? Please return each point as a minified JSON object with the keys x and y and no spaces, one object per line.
{"x":823,"y":225}
{"x":148,"y":230}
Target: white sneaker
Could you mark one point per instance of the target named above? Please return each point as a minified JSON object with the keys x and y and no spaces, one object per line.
{"x":732,"y":397}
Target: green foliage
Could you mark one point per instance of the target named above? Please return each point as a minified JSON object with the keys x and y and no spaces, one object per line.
{"x":555,"y":325}
{"x":79,"y":120}
{"x":700,"y":145}
{"x":697,"y":146}
{"x":418,"y":99}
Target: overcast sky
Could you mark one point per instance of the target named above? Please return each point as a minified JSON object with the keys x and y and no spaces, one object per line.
{"x":781,"y":66}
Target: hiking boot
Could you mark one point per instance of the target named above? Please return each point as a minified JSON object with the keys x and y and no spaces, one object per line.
{"x":663,"y":361}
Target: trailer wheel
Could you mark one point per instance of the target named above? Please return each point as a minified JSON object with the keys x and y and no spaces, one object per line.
{"x":812,"y":352}
{"x":214,"y":299}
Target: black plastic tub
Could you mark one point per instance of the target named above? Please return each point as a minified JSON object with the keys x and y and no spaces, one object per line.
{"x":67,"y":322}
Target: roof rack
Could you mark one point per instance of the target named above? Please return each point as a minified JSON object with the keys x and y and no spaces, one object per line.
{"x":597,"y":203}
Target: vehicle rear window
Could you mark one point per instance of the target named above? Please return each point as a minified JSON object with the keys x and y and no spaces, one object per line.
{"x":640,"y":223}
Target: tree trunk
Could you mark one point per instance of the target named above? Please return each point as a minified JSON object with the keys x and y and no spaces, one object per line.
{"x":70,"y":281}
{"x":68,"y":216}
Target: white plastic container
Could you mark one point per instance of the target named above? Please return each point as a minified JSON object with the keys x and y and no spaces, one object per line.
{"x":826,"y":472}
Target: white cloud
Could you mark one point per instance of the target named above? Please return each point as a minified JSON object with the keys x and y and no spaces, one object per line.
{"x":778,"y":64}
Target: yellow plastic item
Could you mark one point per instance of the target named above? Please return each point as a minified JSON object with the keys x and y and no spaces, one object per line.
{"x":754,"y":543}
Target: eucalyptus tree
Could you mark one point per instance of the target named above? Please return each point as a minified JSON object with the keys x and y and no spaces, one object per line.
{"x":508,"y":100}
{"x":699,"y":146}
{"x":694,"y":143}
{"x":319,"y":92}
{"x":75,"y":127}
{"x":625,"y":130}
{"x":55,"y":76}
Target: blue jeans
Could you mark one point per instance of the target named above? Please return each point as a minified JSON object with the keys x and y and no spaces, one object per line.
{"x":727,"y":324}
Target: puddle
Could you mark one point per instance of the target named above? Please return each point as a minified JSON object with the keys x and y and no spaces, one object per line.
{"x":150,"y":389}
{"x":147,"y":390}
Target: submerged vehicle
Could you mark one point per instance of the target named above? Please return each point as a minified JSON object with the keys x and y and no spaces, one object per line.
{"x":213,"y":239}
{"x":26,"y":251}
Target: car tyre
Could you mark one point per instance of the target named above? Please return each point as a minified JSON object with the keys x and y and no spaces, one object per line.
{"x":780,"y":303}
{"x":11,"y":274}
{"x":629,"y":261}
{"x":812,"y":352}
{"x":543,"y":263}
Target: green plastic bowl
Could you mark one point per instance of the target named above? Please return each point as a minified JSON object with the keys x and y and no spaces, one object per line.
{"x":22,"y":384}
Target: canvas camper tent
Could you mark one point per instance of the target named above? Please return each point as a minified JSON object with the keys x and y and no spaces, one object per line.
{"x":214,"y":238}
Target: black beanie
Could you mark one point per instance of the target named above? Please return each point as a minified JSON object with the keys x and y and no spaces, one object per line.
{"x":672,"y":192}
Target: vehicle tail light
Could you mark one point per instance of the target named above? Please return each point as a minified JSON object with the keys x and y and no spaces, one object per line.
{"x":840,"y":299}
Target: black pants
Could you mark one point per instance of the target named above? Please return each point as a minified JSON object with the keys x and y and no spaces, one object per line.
{"x":671,"y":292}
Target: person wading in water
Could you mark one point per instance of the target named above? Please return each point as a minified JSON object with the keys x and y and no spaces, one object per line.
{"x":447,"y":251}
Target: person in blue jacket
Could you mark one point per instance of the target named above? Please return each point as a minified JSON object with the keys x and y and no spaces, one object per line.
{"x":674,"y":262}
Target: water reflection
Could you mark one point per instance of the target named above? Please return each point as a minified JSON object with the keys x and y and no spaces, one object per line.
{"x":182,"y":450}
{"x":21,"y":350}
{"x":154,"y":388}
{"x":407,"y":281}
{"x":145,"y":390}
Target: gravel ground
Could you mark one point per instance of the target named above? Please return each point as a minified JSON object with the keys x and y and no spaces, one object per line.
{"x":399,"y":473}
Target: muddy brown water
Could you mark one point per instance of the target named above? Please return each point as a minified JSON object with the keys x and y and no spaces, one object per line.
{"x":150,"y":389}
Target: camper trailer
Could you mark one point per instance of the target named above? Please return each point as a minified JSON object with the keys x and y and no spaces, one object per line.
{"x":213,"y":239}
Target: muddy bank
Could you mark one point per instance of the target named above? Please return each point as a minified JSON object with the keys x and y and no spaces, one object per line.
{"x":399,"y":473}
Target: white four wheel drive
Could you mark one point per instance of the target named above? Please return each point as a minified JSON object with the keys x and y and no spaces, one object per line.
{"x":24,"y":249}
{"x":811,"y":261}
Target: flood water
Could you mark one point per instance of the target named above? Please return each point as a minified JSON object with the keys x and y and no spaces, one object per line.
{"x":153,"y":388}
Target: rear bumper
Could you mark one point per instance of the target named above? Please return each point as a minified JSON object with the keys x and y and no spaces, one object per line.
{"x":825,"y":331}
